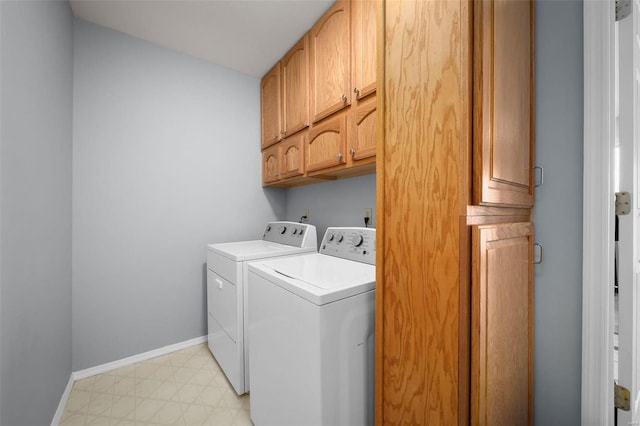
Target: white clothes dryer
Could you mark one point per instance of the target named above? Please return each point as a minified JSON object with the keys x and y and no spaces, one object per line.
{"x":311,"y":326}
{"x":227,"y":297}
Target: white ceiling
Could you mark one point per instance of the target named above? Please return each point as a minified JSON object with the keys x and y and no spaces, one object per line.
{"x":249,"y":36}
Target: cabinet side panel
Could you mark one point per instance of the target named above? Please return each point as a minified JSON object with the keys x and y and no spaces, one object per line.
{"x":423,"y":130}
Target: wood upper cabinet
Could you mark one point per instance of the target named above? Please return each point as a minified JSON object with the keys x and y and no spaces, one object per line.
{"x":270,"y":106}
{"x":363,"y":138}
{"x":284,"y":160}
{"x":292,"y":155}
{"x":364,"y":47}
{"x":503,"y":103}
{"x":330,"y":63}
{"x":271,"y":164}
{"x":327,"y":144}
{"x":295,"y":88}
{"x":502,"y":325}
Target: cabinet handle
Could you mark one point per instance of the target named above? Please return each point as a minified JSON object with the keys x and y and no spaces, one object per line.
{"x":356,"y":91}
{"x":537,"y":254}
{"x":352,"y":152}
{"x":219,"y":282}
{"x":344,"y":98}
{"x":340,"y":156}
{"x":540,"y":182}
{"x":282,"y":132}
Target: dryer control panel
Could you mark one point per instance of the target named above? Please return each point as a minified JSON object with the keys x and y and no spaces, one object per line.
{"x":357,"y":244}
{"x":291,"y":233}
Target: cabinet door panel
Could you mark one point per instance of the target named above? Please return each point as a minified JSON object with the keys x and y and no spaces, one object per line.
{"x":292,"y":155}
{"x":295,"y":88}
{"x":502,"y":325}
{"x":504,"y":106}
{"x":326,"y":147}
{"x":270,"y":106}
{"x":271,"y":164}
{"x":364,"y":130}
{"x":364,"y":47}
{"x":331,"y":61}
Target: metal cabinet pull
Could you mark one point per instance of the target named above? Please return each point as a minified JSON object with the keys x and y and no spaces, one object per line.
{"x":537,"y":254}
{"x":356,"y":91}
{"x":219,"y":282}
{"x":352,"y":152}
{"x":344,"y":98}
{"x":340,"y":156}
{"x":541,"y":169}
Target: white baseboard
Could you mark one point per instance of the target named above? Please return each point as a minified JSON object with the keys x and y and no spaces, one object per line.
{"x":103,"y":368}
{"x":63,"y":402}
{"x":99,"y":369}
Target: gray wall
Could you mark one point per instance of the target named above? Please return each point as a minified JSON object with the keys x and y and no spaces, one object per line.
{"x":337,"y":203}
{"x":35,"y":227}
{"x":166,"y":159}
{"x":558,"y":212}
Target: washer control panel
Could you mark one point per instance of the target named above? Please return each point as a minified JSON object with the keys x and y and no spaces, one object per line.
{"x":291,"y":233}
{"x":357,"y":244}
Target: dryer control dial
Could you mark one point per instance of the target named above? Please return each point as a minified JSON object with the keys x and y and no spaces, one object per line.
{"x":358,"y":240}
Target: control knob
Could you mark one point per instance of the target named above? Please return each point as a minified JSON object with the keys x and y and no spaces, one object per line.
{"x":357,"y":241}
{"x":340,"y":238}
{"x":284,"y":229}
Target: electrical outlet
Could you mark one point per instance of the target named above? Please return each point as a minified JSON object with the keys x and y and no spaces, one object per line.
{"x":367,"y":213}
{"x":306,"y":214}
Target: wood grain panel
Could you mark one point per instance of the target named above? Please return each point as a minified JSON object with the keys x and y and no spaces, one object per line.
{"x":364,"y":136}
{"x":327,"y":144}
{"x":292,"y":155}
{"x":331,"y":61}
{"x":295,"y":88}
{"x":271,"y":164}
{"x":504,"y":104}
{"x":424,"y":114}
{"x":502,"y":334}
{"x":270,"y":107}
{"x":363,"y":26}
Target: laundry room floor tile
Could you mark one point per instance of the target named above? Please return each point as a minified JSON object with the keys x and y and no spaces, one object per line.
{"x":185,"y":388}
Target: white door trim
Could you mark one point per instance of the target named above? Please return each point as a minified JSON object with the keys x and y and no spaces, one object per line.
{"x":597,"y":267}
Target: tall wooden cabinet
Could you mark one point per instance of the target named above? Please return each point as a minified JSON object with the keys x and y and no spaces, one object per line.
{"x":454,"y":308}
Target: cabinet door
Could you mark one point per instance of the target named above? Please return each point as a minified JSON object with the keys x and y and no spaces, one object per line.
{"x":331,"y":61}
{"x":270,"y":107}
{"x":295,"y":88}
{"x":292,"y":155}
{"x":327,"y":142}
{"x":503,"y":103}
{"x":502,"y":325}
{"x":363,"y":138}
{"x":363,"y":25}
{"x":271,"y":164}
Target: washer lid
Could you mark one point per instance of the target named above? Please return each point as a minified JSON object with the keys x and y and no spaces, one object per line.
{"x":256,"y":249}
{"x":318,"y":278}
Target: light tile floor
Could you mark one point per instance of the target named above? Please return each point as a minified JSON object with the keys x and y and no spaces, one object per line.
{"x":184,"y":388}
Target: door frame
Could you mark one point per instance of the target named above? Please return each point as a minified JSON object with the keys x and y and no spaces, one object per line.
{"x":598,"y":213}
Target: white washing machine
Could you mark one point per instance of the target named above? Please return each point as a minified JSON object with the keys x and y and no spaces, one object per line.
{"x":227,"y":297}
{"x":311,"y":325}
